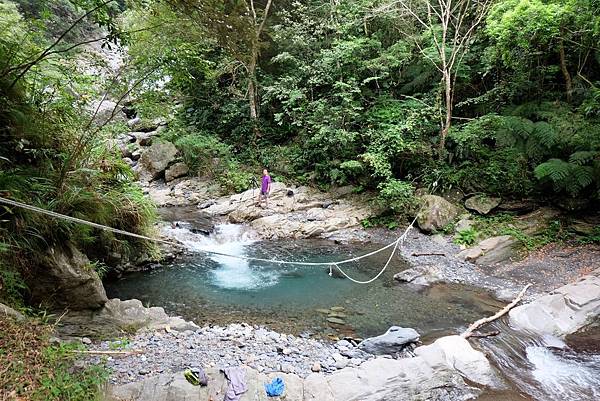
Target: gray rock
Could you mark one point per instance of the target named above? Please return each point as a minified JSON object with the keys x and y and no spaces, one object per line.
{"x":64,"y":278}
{"x":463,"y":224}
{"x":134,"y":121}
{"x":155,"y":160}
{"x":175,"y":171}
{"x":118,"y":316}
{"x":106,"y":111}
{"x":491,"y":251}
{"x":136,"y":154}
{"x":8,"y":311}
{"x":394,"y":340}
{"x":436,"y":212}
{"x":482,"y":204}
{"x":562,"y":312}
{"x":342,"y":363}
{"x":335,"y":320}
{"x":287,"y":368}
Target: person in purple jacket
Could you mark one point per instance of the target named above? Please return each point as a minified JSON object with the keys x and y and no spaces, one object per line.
{"x":265,"y":188}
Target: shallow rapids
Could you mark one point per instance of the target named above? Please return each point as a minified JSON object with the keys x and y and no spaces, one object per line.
{"x":545,"y":368}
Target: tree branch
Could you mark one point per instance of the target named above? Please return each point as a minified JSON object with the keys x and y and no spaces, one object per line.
{"x":469,"y":332}
{"x":45,"y":53}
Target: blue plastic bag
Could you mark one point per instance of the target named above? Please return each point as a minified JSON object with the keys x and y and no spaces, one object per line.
{"x":275,"y":388}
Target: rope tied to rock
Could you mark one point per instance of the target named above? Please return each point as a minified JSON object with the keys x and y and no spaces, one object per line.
{"x":331,"y":265}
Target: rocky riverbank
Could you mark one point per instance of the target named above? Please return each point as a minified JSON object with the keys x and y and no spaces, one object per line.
{"x":313,"y":370}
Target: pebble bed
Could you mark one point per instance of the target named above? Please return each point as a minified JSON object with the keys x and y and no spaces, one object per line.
{"x":167,"y":351}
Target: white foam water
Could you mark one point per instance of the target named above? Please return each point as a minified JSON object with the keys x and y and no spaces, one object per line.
{"x":231,"y":273}
{"x":544,"y":367}
{"x":567,"y":378}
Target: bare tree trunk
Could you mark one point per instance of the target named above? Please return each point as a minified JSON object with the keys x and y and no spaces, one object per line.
{"x":565,"y":71}
{"x":448,"y":118}
{"x":253,"y":96}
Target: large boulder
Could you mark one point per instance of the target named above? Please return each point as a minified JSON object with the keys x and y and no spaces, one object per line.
{"x":155,"y":160}
{"x":105,"y":111}
{"x":117,"y":317}
{"x":482,"y":204}
{"x":491,"y":251}
{"x":562,"y":312}
{"x":393,"y":341}
{"x":175,"y":171}
{"x":458,"y":354}
{"x":436,"y":212}
{"x":65,"y":278}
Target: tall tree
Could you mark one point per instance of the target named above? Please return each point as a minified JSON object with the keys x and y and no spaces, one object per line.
{"x":452,"y":25}
{"x":236,"y":26}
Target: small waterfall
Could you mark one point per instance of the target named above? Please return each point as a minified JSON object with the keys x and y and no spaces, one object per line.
{"x":232,"y":239}
{"x":544,"y":367}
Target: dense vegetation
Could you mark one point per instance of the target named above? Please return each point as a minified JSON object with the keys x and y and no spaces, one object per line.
{"x":33,"y":368}
{"x":52,"y":154}
{"x":488,"y":96}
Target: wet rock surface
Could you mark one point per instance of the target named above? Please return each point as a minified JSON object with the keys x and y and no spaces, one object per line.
{"x":393,"y":341}
{"x":564,"y":310}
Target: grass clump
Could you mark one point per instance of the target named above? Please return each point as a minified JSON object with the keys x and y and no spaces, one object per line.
{"x":31,"y":368}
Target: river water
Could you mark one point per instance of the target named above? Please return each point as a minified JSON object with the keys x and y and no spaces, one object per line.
{"x":298,"y":299}
{"x":221,"y":290}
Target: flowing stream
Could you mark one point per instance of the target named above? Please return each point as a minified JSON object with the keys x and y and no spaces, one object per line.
{"x":546,"y":368}
{"x":298,"y":299}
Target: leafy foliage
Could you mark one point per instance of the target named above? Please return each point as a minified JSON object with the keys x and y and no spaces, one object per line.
{"x":39,"y":371}
{"x":53,"y":157}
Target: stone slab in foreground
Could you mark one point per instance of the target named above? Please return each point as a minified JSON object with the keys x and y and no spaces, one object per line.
{"x":436,"y":373}
{"x":563,"y":311}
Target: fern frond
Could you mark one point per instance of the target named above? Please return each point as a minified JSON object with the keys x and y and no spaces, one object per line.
{"x":583,"y":157}
{"x":554,"y":169}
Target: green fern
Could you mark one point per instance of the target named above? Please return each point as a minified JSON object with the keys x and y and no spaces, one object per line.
{"x":566,"y":176}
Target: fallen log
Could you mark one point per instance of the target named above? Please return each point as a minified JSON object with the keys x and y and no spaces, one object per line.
{"x":469,"y":332}
{"x":486,"y":334}
{"x":429,"y":254}
{"x":132,"y":352}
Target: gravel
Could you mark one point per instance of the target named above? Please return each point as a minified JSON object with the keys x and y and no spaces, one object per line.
{"x":168,"y":351}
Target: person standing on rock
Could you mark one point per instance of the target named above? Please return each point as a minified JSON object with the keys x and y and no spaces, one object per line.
{"x":265,"y":188}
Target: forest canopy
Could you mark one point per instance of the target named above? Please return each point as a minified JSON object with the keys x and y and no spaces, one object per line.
{"x":488,"y":96}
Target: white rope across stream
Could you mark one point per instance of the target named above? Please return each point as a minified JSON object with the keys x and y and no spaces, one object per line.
{"x":331,"y":265}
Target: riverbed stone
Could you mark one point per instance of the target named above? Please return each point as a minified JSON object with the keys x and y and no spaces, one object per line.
{"x":394,"y":340}
{"x":491,"y":251}
{"x":155,"y":160}
{"x":175,"y":171}
{"x":436,"y":212}
{"x":471,"y":363}
{"x":335,"y":320}
{"x":562,"y":312}
{"x":482,"y":204}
